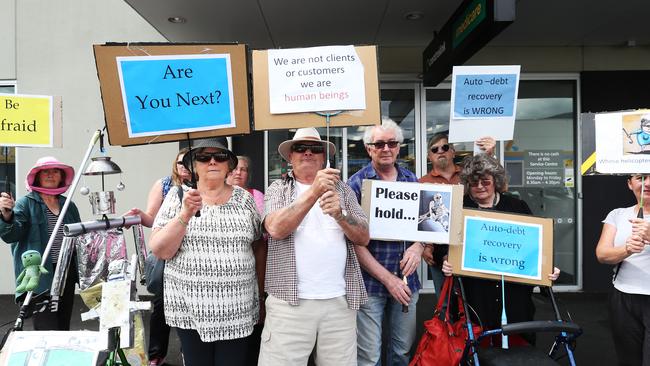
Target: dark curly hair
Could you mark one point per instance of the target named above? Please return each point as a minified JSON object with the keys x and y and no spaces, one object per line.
{"x":481,"y":165}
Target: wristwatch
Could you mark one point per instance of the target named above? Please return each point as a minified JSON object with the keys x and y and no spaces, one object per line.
{"x":343,"y":216}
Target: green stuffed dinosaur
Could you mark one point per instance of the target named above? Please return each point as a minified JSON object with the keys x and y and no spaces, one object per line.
{"x":31,"y":274}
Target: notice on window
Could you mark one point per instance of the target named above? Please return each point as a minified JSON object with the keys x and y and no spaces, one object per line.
{"x":543,"y":168}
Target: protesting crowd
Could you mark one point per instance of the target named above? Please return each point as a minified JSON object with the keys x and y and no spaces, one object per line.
{"x":289,"y":275}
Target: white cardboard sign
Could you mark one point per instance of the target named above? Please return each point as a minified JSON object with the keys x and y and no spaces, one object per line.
{"x":408,"y":211}
{"x":623,"y":142}
{"x":483,"y":102}
{"x":315,"y":79}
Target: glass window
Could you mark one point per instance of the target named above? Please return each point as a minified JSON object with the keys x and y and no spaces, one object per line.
{"x":398,"y":105}
{"x":539,"y":160}
{"x":540,"y":163}
{"x":8,"y":158}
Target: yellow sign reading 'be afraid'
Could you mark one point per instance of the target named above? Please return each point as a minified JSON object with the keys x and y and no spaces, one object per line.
{"x":28,"y":120}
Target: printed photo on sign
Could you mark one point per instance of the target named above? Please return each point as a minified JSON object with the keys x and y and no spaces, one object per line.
{"x":636,"y":134}
{"x":502,"y":247}
{"x":435,"y":212}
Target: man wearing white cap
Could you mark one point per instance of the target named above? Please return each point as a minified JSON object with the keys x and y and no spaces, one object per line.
{"x":313,"y":277}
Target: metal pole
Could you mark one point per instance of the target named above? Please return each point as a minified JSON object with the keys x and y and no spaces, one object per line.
{"x":19,"y":322}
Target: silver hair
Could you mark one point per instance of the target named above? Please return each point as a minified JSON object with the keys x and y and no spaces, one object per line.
{"x":387,"y":124}
{"x":481,"y":165}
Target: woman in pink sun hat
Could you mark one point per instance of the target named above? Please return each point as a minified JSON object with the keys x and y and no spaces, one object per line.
{"x":27,"y":223}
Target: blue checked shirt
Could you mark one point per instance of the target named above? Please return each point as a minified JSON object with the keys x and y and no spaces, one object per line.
{"x":387,"y":253}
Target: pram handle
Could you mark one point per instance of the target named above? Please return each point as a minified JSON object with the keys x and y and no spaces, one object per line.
{"x":541,"y":326}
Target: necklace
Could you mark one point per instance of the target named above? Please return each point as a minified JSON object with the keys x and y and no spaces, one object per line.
{"x":216,"y":199}
{"x":495,"y":201}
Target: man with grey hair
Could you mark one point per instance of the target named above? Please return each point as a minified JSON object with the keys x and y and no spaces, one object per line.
{"x":385,"y":263}
{"x":313,"y":277}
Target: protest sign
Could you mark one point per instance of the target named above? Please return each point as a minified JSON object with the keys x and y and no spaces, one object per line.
{"x":30,"y":120}
{"x":519,"y":247}
{"x":315,"y":79}
{"x":623,"y":142}
{"x":163,"y":92}
{"x":483,"y":102}
{"x":289,"y":85}
{"x":408,"y":211}
{"x":177,"y":93}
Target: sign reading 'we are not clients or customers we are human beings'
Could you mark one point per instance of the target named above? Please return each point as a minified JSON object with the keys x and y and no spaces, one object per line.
{"x":315,"y":79}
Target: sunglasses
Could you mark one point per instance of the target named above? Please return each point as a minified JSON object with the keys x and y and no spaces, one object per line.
{"x":443,"y":148}
{"x":483,"y":182}
{"x":301,"y":148}
{"x":380,"y":144}
{"x":219,"y":157}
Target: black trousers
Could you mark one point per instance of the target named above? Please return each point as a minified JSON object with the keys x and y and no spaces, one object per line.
{"x":59,"y":320}
{"x":198,"y":353}
{"x":630,"y":320}
{"x":158,"y":329}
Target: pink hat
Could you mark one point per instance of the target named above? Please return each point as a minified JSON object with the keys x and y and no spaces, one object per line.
{"x":49,"y":162}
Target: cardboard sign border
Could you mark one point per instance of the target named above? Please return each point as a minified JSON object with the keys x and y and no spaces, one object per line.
{"x":456,"y":251}
{"x":109,"y":84}
{"x":456,"y":229}
{"x":264,"y":120}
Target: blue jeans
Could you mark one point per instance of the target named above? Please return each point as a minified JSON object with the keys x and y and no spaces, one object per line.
{"x":401,"y":331}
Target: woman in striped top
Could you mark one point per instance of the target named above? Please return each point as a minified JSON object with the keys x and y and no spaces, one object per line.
{"x":27,"y":224}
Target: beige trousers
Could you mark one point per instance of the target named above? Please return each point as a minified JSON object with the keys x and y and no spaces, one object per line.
{"x":290,"y":333}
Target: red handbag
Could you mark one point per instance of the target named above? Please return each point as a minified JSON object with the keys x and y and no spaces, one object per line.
{"x":443,"y":342}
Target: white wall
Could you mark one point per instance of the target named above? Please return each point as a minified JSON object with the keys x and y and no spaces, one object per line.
{"x":54,"y":56}
{"x":7,"y":39}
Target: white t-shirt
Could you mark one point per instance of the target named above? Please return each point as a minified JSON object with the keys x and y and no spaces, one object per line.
{"x":634,"y":274}
{"x":320,"y":254}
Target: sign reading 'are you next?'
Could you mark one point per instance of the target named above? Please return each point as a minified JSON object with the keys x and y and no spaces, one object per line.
{"x":176,"y":93}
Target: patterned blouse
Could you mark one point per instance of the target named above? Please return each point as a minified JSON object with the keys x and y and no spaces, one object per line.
{"x":210,"y":284}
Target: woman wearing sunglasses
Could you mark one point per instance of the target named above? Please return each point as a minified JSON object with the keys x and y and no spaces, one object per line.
{"x":210,"y":287}
{"x":485,"y":184}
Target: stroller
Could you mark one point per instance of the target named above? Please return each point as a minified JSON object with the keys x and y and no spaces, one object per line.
{"x":566,"y":333}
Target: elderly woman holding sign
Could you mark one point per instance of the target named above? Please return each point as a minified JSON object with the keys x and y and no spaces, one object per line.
{"x":485,"y":184}
{"x":624,"y":242}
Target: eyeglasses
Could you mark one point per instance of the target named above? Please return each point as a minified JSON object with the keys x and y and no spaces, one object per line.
{"x":380,"y":144}
{"x":483,"y":182}
{"x":444,"y":148}
{"x":301,"y":148}
{"x":219,"y":157}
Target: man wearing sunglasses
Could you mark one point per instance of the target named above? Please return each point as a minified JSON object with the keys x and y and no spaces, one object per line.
{"x":386,"y":263}
{"x":444,"y":171}
{"x":312,"y":275}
